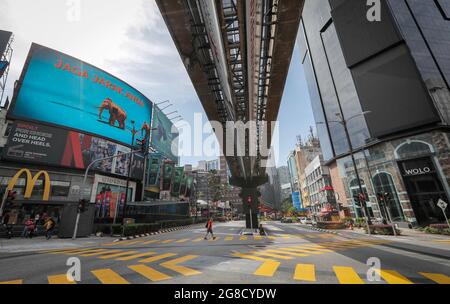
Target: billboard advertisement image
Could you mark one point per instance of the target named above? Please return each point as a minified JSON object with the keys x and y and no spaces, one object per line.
{"x":154,"y":168}
{"x":168,"y":171}
{"x":297,"y":200}
{"x":163,"y":140}
{"x":60,"y":90}
{"x":35,"y":143}
{"x":177,"y":179}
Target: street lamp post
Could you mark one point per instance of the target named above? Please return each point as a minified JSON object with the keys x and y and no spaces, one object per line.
{"x":133,"y":131}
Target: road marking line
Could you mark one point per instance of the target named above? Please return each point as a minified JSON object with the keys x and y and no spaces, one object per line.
{"x":59,"y":279}
{"x":14,"y":282}
{"x":272,"y":255}
{"x":214,"y":239}
{"x":158,"y":257}
{"x":132,"y":242}
{"x":166,"y":241}
{"x":182,"y":241}
{"x":346,"y":275}
{"x":108,"y":276}
{"x":287,"y":251}
{"x":268,"y":268}
{"x":243,"y":238}
{"x":283,"y":236}
{"x":84,"y":251}
{"x":310,"y":250}
{"x":229,"y":238}
{"x":115,"y":255}
{"x":135,"y":256}
{"x":149,"y":273}
{"x":103,"y":251}
{"x":199,"y":239}
{"x":271,"y":237}
{"x":249,"y":257}
{"x":172,"y":265}
{"x":436,"y":277}
{"x":63,"y":251}
{"x":393,"y":277}
{"x":150,"y":242}
{"x":305,"y":272}
{"x":257,"y":237}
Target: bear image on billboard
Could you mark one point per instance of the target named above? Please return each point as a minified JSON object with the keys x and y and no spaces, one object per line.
{"x":116,"y":113}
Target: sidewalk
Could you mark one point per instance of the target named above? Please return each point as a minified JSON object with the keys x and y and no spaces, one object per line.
{"x":41,"y":243}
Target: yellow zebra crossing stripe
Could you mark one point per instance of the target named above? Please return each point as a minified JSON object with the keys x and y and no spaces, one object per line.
{"x":284,"y":251}
{"x":228,"y":238}
{"x":182,"y":241}
{"x":393,"y":277}
{"x":115,"y":255}
{"x":150,"y":242}
{"x":149,"y":273}
{"x":173,"y":265}
{"x":13,"y":282}
{"x":59,"y":279}
{"x":166,"y":241}
{"x":243,"y":238}
{"x":98,"y":252}
{"x":108,"y":276}
{"x":346,"y":275}
{"x":157,"y":257}
{"x":199,"y":239}
{"x":135,"y":256}
{"x":436,"y":277}
{"x":272,"y":255}
{"x":267,"y":269}
{"x":305,"y":272}
{"x":257,"y":237}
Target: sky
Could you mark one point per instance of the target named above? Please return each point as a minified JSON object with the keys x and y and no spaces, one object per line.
{"x":129,"y":39}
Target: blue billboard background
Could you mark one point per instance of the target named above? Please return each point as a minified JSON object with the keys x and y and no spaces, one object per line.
{"x":61,"y":90}
{"x":297,"y":200}
{"x":163,"y":140}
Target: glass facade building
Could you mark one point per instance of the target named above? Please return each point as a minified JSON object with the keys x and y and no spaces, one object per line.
{"x":387,"y":82}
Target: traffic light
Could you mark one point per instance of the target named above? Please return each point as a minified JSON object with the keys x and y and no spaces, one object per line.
{"x":82,"y":205}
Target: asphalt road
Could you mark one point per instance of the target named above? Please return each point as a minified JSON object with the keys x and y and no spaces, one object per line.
{"x":290,"y":254}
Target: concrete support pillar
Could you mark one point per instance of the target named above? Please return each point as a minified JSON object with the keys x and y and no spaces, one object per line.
{"x":251,"y":194}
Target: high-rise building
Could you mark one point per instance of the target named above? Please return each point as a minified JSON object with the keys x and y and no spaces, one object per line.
{"x":293,"y":171}
{"x":386,"y":80}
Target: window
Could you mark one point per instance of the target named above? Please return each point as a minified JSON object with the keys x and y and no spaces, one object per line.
{"x":384,"y":183}
{"x":413,"y":149}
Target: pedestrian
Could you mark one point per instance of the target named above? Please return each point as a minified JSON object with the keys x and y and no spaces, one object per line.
{"x":36,"y":222}
{"x":49,"y":225}
{"x":29,"y":228}
{"x":209,"y":229}
{"x":8,"y":227}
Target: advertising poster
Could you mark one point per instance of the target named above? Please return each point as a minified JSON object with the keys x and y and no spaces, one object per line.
{"x":35,"y":143}
{"x":168,"y":172}
{"x":163,"y":140}
{"x":154,"y":168}
{"x":176,"y":184}
{"x":61,"y":90}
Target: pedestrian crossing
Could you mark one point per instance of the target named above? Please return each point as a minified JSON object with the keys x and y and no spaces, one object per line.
{"x":223,"y":238}
{"x":172,"y":267}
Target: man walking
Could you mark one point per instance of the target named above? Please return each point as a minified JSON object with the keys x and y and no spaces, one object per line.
{"x":209,"y":229}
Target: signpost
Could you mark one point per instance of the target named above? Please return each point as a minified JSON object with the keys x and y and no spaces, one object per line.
{"x":443,"y":205}
{"x":249,"y":201}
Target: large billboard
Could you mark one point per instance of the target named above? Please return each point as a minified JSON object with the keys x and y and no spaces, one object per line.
{"x":162,"y":138}
{"x":297,"y":200}
{"x":61,"y":90}
{"x":35,"y":143}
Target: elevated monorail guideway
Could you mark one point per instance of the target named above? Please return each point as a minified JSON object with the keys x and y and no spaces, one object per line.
{"x":237,"y":54}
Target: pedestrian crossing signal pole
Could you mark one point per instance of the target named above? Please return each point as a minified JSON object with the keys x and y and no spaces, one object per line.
{"x":249,"y":201}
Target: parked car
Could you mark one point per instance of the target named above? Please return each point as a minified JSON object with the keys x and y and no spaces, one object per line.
{"x":308,"y":221}
{"x":286,"y":220}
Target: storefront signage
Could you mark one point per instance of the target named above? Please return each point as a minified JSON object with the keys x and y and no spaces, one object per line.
{"x":31,"y":182}
{"x":417,"y":171}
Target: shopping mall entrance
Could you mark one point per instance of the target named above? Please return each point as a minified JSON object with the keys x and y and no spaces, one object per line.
{"x":424,"y":188}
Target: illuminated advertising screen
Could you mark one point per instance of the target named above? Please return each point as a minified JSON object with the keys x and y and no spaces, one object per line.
{"x":163,"y":140}
{"x":61,"y":90}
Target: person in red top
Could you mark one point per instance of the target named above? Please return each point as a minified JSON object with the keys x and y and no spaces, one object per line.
{"x":29,"y":226}
{"x":209,"y":229}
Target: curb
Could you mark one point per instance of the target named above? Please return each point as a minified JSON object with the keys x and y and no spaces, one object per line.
{"x":132,"y":237}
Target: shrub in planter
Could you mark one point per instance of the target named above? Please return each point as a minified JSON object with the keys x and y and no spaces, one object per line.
{"x":439,"y":226}
{"x":116,"y":229}
{"x":382,"y":230}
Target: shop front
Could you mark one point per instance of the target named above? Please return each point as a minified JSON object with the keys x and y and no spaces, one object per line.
{"x":108,"y":194}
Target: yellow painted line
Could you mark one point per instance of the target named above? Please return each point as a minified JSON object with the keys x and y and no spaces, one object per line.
{"x":63,"y":251}
{"x":305,"y":272}
{"x":214,"y":239}
{"x":268,"y":268}
{"x":172,"y":265}
{"x":250,"y":257}
{"x":14,"y":282}
{"x":100,"y":252}
{"x":149,"y":273}
{"x":108,"y":276}
{"x":199,"y":239}
{"x":59,"y":279}
{"x":132,"y":242}
{"x":309,"y":250}
{"x":167,"y":241}
{"x":243,"y":238}
{"x":228,"y":238}
{"x":257,"y":237}
{"x":346,"y":275}
{"x":282,"y":251}
{"x":272,"y":255}
{"x":158,"y":257}
{"x":393,"y":277}
{"x":271,"y":237}
{"x":326,"y":236}
{"x":115,"y":255}
{"x":135,"y":256}
{"x":436,"y":277}
{"x":182,"y":241}
{"x":442,"y":241}
{"x":150,"y":242}
{"x":283,"y":236}
{"x":81,"y":252}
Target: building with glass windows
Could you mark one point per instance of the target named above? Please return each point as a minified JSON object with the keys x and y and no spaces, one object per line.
{"x":387,"y":83}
